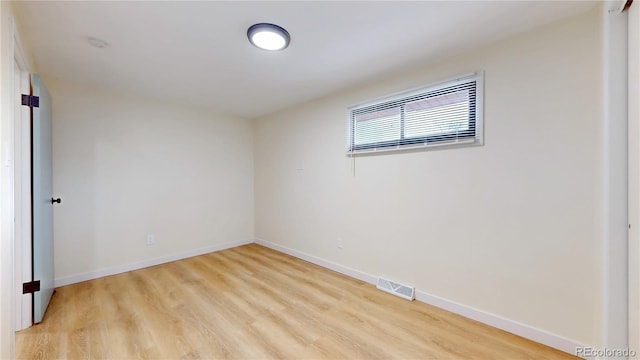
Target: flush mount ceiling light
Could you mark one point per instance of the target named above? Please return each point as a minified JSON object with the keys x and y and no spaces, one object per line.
{"x":268,"y":36}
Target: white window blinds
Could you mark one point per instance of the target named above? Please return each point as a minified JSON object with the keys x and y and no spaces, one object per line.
{"x":448,"y":113}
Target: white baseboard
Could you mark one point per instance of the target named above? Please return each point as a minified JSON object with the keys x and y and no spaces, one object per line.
{"x":118,"y":269}
{"x":526,"y":331}
{"x":541,"y":336}
{"x":514,"y":327}
{"x":320,"y":262}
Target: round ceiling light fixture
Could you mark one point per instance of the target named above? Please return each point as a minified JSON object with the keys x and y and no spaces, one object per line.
{"x":268,"y":36}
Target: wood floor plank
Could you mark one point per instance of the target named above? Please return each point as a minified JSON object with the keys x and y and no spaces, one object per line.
{"x":251,"y":302}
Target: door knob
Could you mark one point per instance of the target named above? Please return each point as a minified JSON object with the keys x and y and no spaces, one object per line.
{"x":53,"y":201}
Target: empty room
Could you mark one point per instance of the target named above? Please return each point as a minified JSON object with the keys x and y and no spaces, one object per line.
{"x":320,"y":179}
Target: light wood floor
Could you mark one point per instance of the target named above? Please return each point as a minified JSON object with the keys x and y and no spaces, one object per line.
{"x":251,"y":302}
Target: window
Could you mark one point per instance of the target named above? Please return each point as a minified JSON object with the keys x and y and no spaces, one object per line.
{"x":448,"y":113}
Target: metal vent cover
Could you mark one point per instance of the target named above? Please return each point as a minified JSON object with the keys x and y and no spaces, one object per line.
{"x":392,"y":287}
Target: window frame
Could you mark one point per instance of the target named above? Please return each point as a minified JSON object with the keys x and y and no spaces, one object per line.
{"x":474,"y":138}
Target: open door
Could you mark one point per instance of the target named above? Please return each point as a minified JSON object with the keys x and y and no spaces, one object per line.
{"x":41,"y":198}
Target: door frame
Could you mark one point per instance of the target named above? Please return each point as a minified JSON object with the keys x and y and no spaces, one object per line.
{"x":634,"y":176}
{"x":22,"y":185}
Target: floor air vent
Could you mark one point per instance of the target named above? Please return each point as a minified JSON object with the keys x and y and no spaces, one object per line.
{"x":392,"y":287}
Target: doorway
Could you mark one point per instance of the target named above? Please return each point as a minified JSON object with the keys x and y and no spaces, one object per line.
{"x":22,"y":188}
{"x":32,"y":194}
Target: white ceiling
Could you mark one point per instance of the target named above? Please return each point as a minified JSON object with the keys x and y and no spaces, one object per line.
{"x":197,"y":53}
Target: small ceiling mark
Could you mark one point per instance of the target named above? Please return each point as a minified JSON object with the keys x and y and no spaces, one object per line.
{"x":97,"y":43}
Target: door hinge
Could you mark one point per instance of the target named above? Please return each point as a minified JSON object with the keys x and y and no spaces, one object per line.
{"x":31,"y":287}
{"x":625,"y":5}
{"x":30,"y":100}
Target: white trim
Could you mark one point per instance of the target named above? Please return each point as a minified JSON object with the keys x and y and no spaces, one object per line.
{"x":479,"y":108}
{"x":614,"y":196}
{"x":421,"y":146}
{"x":118,"y":269}
{"x":368,"y":278}
{"x":18,"y":50}
{"x":526,"y":331}
{"x":7,"y":212}
{"x":633,"y":93}
{"x":514,"y":327}
{"x":22,"y":193}
{"x":477,"y":140}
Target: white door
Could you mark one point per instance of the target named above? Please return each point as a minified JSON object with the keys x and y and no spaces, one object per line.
{"x":42,"y":197}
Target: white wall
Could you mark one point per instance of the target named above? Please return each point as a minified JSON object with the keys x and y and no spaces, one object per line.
{"x":126,"y":167}
{"x":512,"y":228}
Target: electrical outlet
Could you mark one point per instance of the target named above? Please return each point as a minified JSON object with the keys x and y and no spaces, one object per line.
{"x":339,"y":243}
{"x":151,"y":240}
